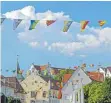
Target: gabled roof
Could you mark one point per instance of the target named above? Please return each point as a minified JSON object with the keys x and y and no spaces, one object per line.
{"x":75,"y":77}
{"x":66,"y":77}
{"x":96,"y":76}
{"x":13,"y":83}
{"x":55,"y":70}
{"x":41,"y":68}
{"x":109,"y":68}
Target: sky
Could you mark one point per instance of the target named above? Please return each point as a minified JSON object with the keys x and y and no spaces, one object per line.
{"x":48,"y":43}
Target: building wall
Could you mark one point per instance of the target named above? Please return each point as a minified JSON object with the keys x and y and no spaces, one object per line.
{"x":7,"y":91}
{"x":102,"y":71}
{"x":33,"y":83}
{"x":74,"y":84}
{"x":108,"y":74}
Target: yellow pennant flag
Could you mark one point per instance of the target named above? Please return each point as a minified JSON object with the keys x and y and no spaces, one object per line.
{"x":102,"y":22}
{"x":67,"y":25}
{"x":83,"y":25}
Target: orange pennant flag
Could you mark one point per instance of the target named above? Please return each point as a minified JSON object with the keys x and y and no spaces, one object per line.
{"x":49,"y":22}
{"x":102,"y":22}
{"x":83,"y":25}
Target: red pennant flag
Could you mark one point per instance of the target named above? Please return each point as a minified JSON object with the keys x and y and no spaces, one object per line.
{"x":83,"y":25}
{"x":49,"y":22}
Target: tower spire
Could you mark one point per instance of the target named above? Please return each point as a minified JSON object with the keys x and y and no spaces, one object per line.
{"x":17,"y":66}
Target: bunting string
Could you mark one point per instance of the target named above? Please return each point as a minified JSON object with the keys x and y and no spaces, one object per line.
{"x":67,"y":23}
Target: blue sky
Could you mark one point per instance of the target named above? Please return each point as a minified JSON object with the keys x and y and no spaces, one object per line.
{"x":49,"y":44}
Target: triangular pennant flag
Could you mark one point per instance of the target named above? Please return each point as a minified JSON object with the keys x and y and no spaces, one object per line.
{"x":91,"y":65}
{"x":49,"y":22}
{"x":13,"y":71}
{"x":83,"y":25}
{"x":102,"y":22}
{"x":2,"y":20}
{"x":7,"y":70}
{"x":67,"y":24}
{"x":16,"y":22}
{"x":33,"y":24}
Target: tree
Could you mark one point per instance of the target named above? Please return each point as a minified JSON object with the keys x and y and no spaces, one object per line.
{"x":98,"y":92}
{"x":62,"y":72}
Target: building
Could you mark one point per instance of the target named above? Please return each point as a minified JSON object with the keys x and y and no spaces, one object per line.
{"x":73,"y":87}
{"x":11,"y":87}
{"x":96,"y":76}
{"x":106,"y":71}
{"x":39,"y":87}
{"x":39,"y":69}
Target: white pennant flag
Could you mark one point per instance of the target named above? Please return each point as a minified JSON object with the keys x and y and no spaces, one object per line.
{"x":16,"y":22}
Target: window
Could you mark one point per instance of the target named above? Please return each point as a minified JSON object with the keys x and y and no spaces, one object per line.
{"x":32,"y":101}
{"x":44,"y":94}
{"x":35,"y":81}
{"x":78,"y":74}
{"x":33,"y":94}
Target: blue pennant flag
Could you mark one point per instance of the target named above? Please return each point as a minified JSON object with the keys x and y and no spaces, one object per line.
{"x":2,"y":20}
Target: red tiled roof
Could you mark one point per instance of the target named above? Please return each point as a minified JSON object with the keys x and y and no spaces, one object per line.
{"x":66,"y":77}
{"x":96,"y":76}
{"x":41,"y":68}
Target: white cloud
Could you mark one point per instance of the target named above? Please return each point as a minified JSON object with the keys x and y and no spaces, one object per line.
{"x":45,"y":43}
{"x":67,"y":47}
{"x":89,"y":40}
{"x":53,"y":38}
{"x":34,"y":44}
{"x":83,"y":56}
{"x":105,"y":35}
{"x":27,"y":12}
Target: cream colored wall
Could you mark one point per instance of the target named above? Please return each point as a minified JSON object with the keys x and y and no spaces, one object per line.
{"x":29,"y":85}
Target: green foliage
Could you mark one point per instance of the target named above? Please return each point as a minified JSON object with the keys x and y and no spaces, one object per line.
{"x":10,"y":99}
{"x":98,"y":92}
{"x":5,"y":99}
{"x":60,"y":75}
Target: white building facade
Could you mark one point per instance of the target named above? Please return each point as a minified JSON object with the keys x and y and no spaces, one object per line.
{"x":73,"y":90}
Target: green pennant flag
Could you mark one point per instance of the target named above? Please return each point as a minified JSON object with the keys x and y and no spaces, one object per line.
{"x":33,"y":24}
{"x":13,"y":71}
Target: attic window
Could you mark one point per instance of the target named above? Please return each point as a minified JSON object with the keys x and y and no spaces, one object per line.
{"x":78,"y":74}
